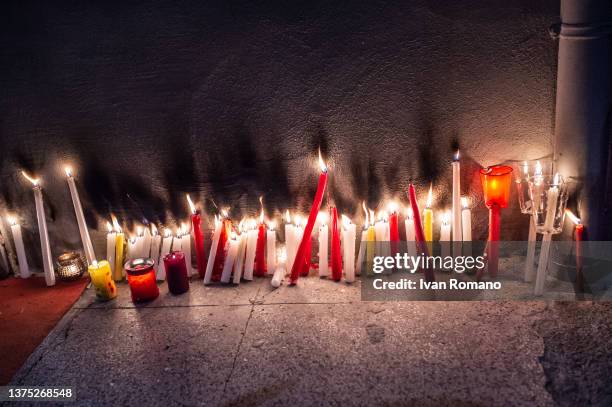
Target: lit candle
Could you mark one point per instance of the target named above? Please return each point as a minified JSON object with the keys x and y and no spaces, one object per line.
{"x":261,"y":267}
{"x":336,"y":255}
{"x":551,"y":204}
{"x":394,"y":227}
{"x":466,"y":226}
{"x":456,"y":210}
{"x":428,"y":220}
{"x":101,"y":278}
{"x":165,"y":249}
{"x":349,"y":249}
{"x":418,"y":231}
{"x":281,"y":270}
{"x":323,"y":245}
{"x":177,"y":242}
{"x":445,"y":235}
{"x":186,"y":245}
{"x":78,"y":211}
{"x":198,"y":237}
{"x":141,"y":278}
{"x":42,"y":230}
{"x":110,"y":244}
{"x":289,"y":238}
{"x":379,"y":228}
{"x":363,"y":243}
{"x":176,"y":272}
{"x":532,"y":237}
{"x":578,"y":231}
{"x":213,"y":250}
{"x":139,"y":250}
{"x":230,"y":258}
{"x":271,"y":247}
{"x":552,"y":196}
{"x":226,"y":227}
{"x":146,"y":243}
{"x":239,"y":263}
{"x":119,"y":246}
{"x":132,"y":246}
{"x":371,"y":244}
{"x":300,"y":257}
{"x":251,"y":247}
{"x":409,"y":225}
{"x":24,"y":269}
{"x":155,"y":245}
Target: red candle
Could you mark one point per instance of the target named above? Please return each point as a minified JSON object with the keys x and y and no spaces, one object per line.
{"x":578,"y":231}
{"x":141,"y":278}
{"x":176,"y":272}
{"x":419,"y":235}
{"x":220,"y":255}
{"x":393,"y":228}
{"x":198,"y":237}
{"x":307,"y":259}
{"x":496,"y":182}
{"x":300,"y":257}
{"x":260,"y":252}
{"x":336,"y":258}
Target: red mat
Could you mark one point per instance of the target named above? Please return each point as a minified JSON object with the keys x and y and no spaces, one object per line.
{"x":28,"y":311}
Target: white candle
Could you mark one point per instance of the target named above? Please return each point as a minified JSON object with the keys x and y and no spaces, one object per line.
{"x":186,"y":245}
{"x":348,"y":248}
{"x":381,"y":235}
{"x":251,"y":246}
{"x":456,"y":209}
{"x":531,"y":246}
{"x":213,"y":250}
{"x":466,"y":221}
{"x":289,"y":238}
{"x":281,"y":269}
{"x":231,"y":250}
{"x":132,"y":248}
{"x":78,"y":211}
{"x":410,"y":237}
{"x":155,"y":245}
{"x":146,"y":243}
{"x":139,"y":250}
{"x":542,"y":264}
{"x":177,"y":243}
{"x":239,"y":263}
{"x":111,"y":238}
{"x":271,"y":247}
{"x":551,"y":205}
{"x":42,"y":231}
{"x":165,"y":249}
{"x":362,"y":250}
{"x":445,"y":235}
{"x":24,"y":269}
{"x":323,"y":250}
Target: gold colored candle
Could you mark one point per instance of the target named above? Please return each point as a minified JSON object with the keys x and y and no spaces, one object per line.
{"x":119,"y":242}
{"x":428,"y":221}
{"x":371,"y":243}
{"x":101,"y":278}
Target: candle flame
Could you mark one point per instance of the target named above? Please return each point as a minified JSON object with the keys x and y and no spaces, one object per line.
{"x":167,"y":233}
{"x":322,"y":218}
{"x":224,"y":213}
{"x":261,"y":216}
{"x":109,"y":227}
{"x":556,"y":179}
{"x":132,"y":239}
{"x":456,"y":158}
{"x":446,"y":218}
{"x":346,"y":221}
{"x":409,"y":213}
{"x":526,"y":168}
{"x":464,"y":202}
{"x":154,"y":231}
{"x":272,"y":225}
{"x":11,"y":220}
{"x":34,"y":181}
{"x":538,"y":169}
{"x":429,"y":197}
{"x":191,"y":205}
{"x":184,"y":229}
{"x":139,"y":231}
{"x":575,"y":219}
{"x":298,"y":220}
{"x":233,"y":235}
{"x":392,"y":207}
{"x":367,"y":216}
{"x":241,"y":225}
{"x":68,"y":171}
{"x":252,"y":224}
{"x":94,"y":263}
{"x":116,"y":225}
{"x":371,"y":217}
{"x":322,"y":163}
{"x":287,"y":216}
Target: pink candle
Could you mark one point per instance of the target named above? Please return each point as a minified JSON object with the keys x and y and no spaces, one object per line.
{"x":260,"y":252}
{"x":394,"y":228}
{"x":336,"y":259}
{"x":198,"y":238}
{"x":418,"y":230}
{"x":314,"y":210}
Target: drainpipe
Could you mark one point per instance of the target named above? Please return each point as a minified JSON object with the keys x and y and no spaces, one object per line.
{"x":583,"y":106}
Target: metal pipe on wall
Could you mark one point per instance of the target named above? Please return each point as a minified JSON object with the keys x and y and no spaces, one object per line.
{"x":583,"y":106}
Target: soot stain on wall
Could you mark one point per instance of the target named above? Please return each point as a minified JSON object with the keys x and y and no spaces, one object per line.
{"x":231,"y":101}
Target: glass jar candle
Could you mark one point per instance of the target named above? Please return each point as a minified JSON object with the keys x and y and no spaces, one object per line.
{"x":141,"y":278}
{"x":176,"y":272}
{"x":549,"y":198}
{"x":102,"y":280}
{"x":70,"y":266}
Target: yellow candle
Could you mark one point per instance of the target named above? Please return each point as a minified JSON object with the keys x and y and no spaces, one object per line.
{"x":371,"y":244}
{"x":428,"y":221}
{"x":101,"y":278}
{"x":119,"y":241}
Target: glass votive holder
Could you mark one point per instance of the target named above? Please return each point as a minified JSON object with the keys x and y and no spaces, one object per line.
{"x":548,"y":196}
{"x":496,"y":181}
{"x":141,"y":279}
{"x":176,"y":272}
{"x":102,"y":279}
{"x":523,"y":171}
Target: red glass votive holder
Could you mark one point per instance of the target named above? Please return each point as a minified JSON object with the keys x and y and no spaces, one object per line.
{"x":176,"y":272}
{"x":496,"y":182}
{"x":141,"y":279}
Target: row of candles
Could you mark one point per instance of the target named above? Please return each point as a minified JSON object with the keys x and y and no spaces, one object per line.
{"x":250,"y":248}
